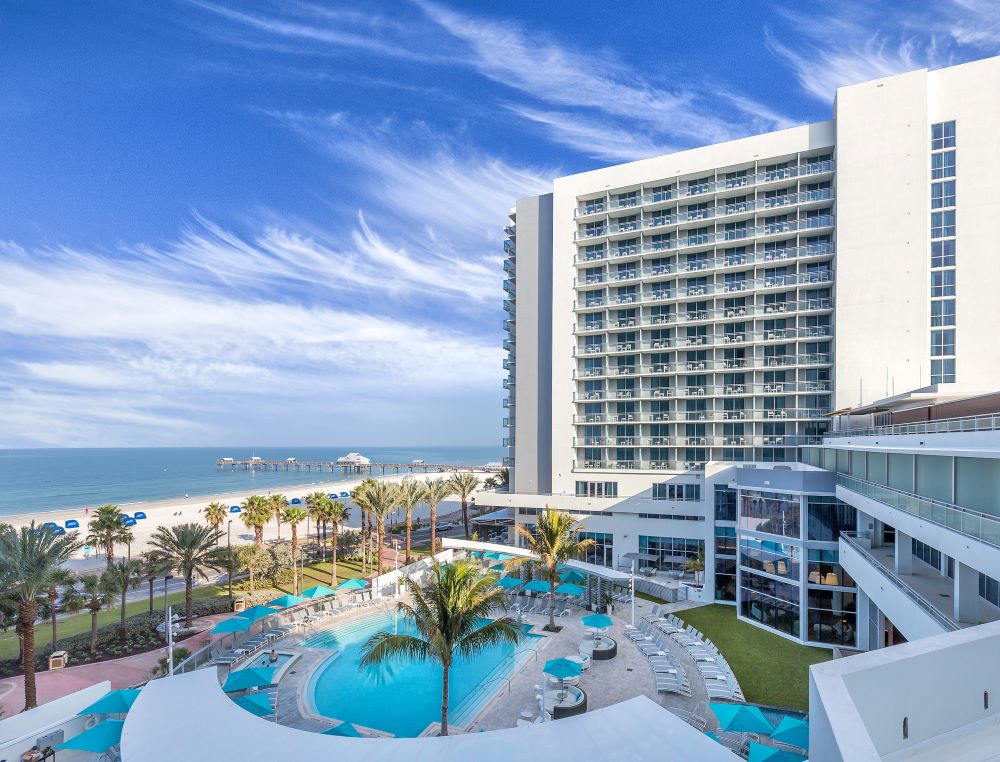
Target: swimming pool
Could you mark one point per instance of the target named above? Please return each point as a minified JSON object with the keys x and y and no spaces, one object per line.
{"x":403,"y":697}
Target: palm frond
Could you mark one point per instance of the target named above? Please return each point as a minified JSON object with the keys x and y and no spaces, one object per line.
{"x":384,"y":646}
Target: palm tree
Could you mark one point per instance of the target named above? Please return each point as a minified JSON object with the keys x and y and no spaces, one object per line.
{"x":339,"y":514}
{"x":250,"y":557}
{"x":64,"y":579}
{"x":256,"y":512}
{"x":447,"y":615}
{"x":28,"y":563}
{"x":382,"y":499}
{"x":360,"y":498}
{"x":215,"y":514}
{"x":696,"y":566}
{"x":409,"y":496}
{"x":154,"y":566}
{"x":503,"y":477}
{"x":435,"y":491}
{"x":293,"y":516}
{"x":124,"y":574}
{"x":278,"y":504}
{"x":320,"y":506}
{"x":97,"y":592}
{"x":463,"y":485}
{"x":108,"y":529}
{"x":190,"y":548}
{"x":555,"y":541}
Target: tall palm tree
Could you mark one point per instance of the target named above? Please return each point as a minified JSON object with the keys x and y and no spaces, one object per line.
{"x":320,"y":506}
{"x":293,"y":516}
{"x":278,"y":504}
{"x":215,"y":515}
{"x":154,"y":566}
{"x":435,"y":491}
{"x":97,"y":592}
{"x":256,"y":512}
{"x":463,"y":485}
{"x":339,"y":513}
{"x":360,"y":498}
{"x":503,"y":477}
{"x":410,"y":494}
{"x":555,"y":541}
{"x":382,"y":499}
{"x":28,"y":563}
{"x":447,"y":615}
{"x":65,"y":579}
{"x":124,"y":574}
{"x":190,"y":548}
{"x":108,"y":529}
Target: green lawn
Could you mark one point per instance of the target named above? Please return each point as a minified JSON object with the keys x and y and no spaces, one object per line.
{"x":771,"y":670}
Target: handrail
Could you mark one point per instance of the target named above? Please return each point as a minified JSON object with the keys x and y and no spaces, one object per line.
{"x":986,"y":422}
{"x":850,"y":538}
{"x":981,"y":526}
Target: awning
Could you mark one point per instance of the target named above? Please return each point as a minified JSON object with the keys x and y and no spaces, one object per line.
{"x":640,"y":557}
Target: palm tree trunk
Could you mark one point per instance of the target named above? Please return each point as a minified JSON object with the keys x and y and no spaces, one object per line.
{"x":28,"y":614}
{"x":552,"y":609}
{"x":151,"y":581}
{"x":52,"y":612}
{"x":434,"y":513}
{"x":109,"y":551}
{"x":252,"y":565}
{"x":444,"y":701}
{"x":259,"y":536}
{"x":93,"y":627}
{"x":465,"y":517}
{"x":333,"y":570}
{"x":188,"y":598}
{"x":121,"y":621}
{"x":409,"y":560}
{"x":379,"y":542}
{"x":295,"y":559}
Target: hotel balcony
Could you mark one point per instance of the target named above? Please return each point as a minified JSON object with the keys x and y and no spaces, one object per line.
{"x":824,"y":304}
{"x":711,"y":263}
{"x":708,"y":289}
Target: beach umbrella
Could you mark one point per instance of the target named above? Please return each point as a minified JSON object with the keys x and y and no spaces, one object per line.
{"x":50,"y":525}
{"x":538,"y":586}
{"x":128,"y":521}
{"x":597,"y":621}
{"x":114,"y":702}
{"x":57,"y":532}
{"x":318,"y":591}
{"x":233,"y":624}
{"x":353,"y":584}
{"x":139,"y":515}
{"x":741,"y":718}
{"x":343,"y":729}
{"x":508,"y":583}
{"x":250,"y":677}
{"x":333,"y":495}
{"x":569,"y":589}
{"x":256,"y":703}
{"x":234,"y":509}
{"x":72,"y":524}
{"x":257,"y":612}
{"x":284,"y":601}
{"x":761,"y":753}
{"x":98,"y":739}
{"x":296,"y":501}
{"x":711,"y":734}
{"x":345,"y":494}
{"x":792,"y":731}
{"x":562,"y":668}
{"x":572,"y":576}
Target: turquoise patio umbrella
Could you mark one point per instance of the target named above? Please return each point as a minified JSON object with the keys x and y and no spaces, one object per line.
{"x":251,"y":677}
{"x":711,"y":734}
{"x":562,"y":668}
{"x":538,"y":586}
{"x":508,"y":583}
{"x":568,"y":589}
{"x":318,"y":591}
{"x":793,"y":732}
{"x":741,"y":718}
{"x":284,"y":601}
{"x":572,"y":576}
{"x":98,"y":739}
{"x":233,"y":624}
{"x":115,"y":702}
{"x":353,"y":584}
{"x":597,"y":621}
{"x":257,"y":612}
{"x":761,"y":753}
{"x":256,"y":703}
{"x":343,"y":729}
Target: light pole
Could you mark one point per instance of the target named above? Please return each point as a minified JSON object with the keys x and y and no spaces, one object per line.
{"x":229,"y":559}
{"x":395,"y":567}
{"x":166,"y":626}
{"x":631,"y":586}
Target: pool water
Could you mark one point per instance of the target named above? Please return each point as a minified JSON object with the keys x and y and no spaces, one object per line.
{"x":263,"y":659}
{"x":403,"y":697}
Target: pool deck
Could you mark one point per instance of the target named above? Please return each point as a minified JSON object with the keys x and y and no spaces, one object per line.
{"x":606,"y":682}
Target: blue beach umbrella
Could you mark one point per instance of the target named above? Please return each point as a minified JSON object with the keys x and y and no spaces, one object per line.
{"x":741,"y":718}
{"x":343,"y":729}
{"x":284,"y":601}
{"x":562,"y":668}
{"x":508,"y":583}
{"x":538,"y":586}
{"x":57,"y":532}
{"x":572,"y":576}
{"x":257,"y":612}
{"x":139,"y":515}
{"x":251,"y":677}
{"x":761,"y":753}
{"x":318,"y":591}
{"x":597,"y":621}
{"x":711,"y":734}
{"x":793,"y":732}
{"x":114,"y":702}
{"x":296,"y":501}
{"x":256,"y":703}
{"x":345,"y":494}
{"x":569,"y":589}
{"x":353,"y":584}
{"x":129,"y":521}
{"x":234,"y":509}
{"x":333,"y":495}
{"x":98,"y":739}
{"x":233,"y":624}
{"x":72,"y":524}
{"x":50,"y":525}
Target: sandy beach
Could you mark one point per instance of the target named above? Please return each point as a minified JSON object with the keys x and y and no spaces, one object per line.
{"x":182,"y":510}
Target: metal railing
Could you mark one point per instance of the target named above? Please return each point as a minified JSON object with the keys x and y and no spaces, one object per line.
{"x":989,"y":422}
{"x":980,"y":526}
{"x":851,"y":539}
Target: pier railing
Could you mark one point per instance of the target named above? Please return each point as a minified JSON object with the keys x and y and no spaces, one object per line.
{"x":259,"y":464}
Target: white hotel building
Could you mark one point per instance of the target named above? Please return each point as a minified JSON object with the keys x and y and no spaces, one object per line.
{"x":681,"y":328}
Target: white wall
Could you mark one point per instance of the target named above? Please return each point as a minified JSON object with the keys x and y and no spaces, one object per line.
{"x":18,"y":733}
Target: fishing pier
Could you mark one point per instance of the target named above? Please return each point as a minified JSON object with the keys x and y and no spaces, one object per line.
{"x":259,"y":464}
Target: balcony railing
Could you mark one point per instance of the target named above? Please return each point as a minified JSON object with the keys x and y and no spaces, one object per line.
{"x":851,"y":539}
{"x":989,"y":422}
{"x":709,"y":263}
{"x":691,"y":238}
{"x":980,"y":526}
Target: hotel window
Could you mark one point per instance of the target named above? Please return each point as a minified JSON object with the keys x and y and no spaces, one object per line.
{"x":927,"y":554}
{"x":943,"y":283}
{"x":943,"y":224}
{"x":725,"y":541}
{"x":601,"y":552}
{"x":943,"y":254}
{"x":943,"y":342}
{"x":825,"y":569}
{"x":669,"y":491}
{"x":942,"y":135}
{"x":942,"y":165}
{"x":943,"y":371}
{"x":989,"y":589}
{"x":597,"y":489}
{"x":943,"y":194}
{"x":943,"y":312}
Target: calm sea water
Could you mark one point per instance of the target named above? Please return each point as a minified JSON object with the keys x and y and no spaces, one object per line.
{"x":38,"y":480}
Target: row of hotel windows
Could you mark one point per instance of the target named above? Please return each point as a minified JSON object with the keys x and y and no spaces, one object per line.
{"x":665,"y":491}
{"x":779,"y":514}
{"x":831,"y":613}
{"x":943,"y":226}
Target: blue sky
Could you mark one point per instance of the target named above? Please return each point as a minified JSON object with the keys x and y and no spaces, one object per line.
{"x":236,"y":223}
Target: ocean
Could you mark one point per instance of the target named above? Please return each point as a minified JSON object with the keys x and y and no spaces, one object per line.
{"x":52,"y":479}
